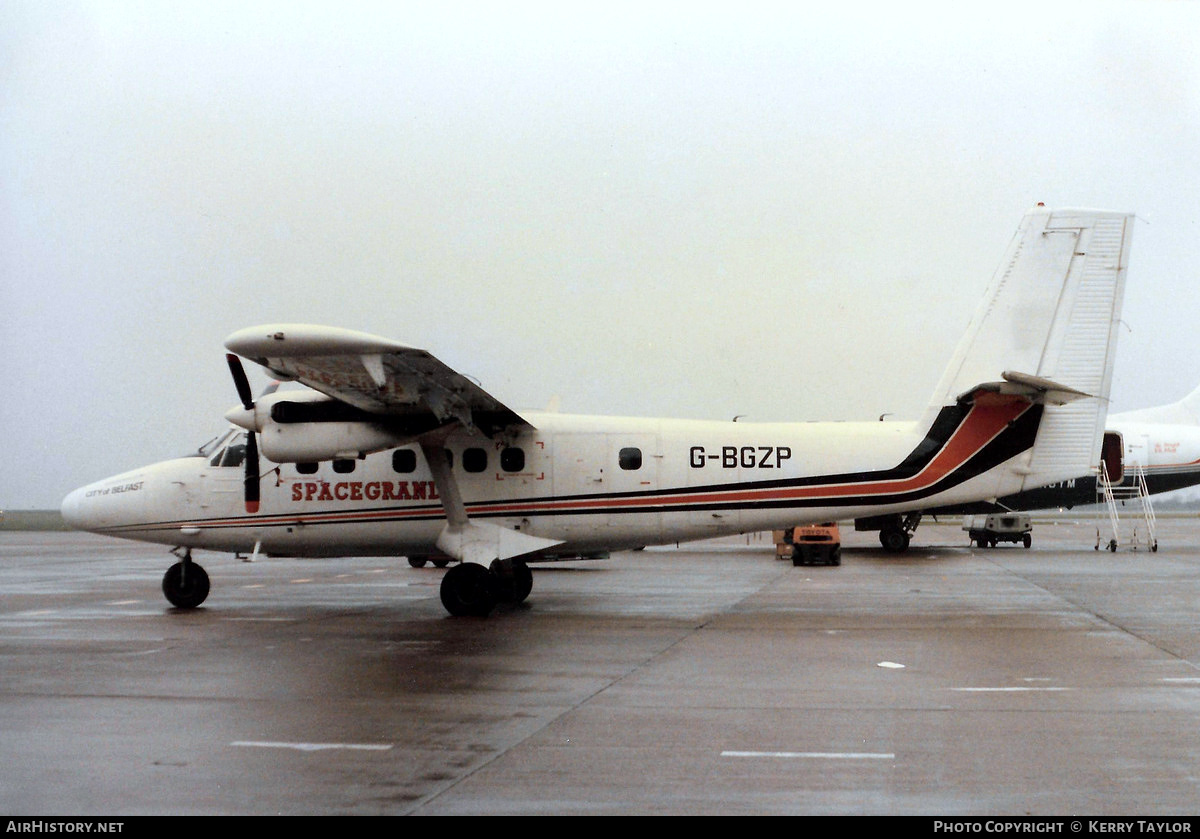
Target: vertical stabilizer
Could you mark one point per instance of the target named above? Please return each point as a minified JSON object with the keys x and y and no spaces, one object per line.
{"x":1051,"y":311}
{"x":1184,"y":412}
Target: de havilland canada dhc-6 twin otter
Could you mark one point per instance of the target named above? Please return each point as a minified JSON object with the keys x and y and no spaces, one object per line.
{"x":388,"y":452}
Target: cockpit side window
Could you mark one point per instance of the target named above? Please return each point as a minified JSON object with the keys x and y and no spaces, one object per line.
{"x":235,"y":455}
{"x":232,"y":455}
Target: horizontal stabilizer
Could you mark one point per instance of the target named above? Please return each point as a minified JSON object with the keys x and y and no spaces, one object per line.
{"x":481,"y":542}
{"x":1036,"y":389}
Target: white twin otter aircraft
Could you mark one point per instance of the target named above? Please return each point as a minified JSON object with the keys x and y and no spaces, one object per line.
{"x":391,"y":453}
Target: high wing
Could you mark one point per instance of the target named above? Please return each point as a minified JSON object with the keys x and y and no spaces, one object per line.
{"x":373,"y":374}
{"x":395,"y":393}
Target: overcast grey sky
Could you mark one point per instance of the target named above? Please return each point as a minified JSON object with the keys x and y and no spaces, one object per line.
{"x":786,"y":211}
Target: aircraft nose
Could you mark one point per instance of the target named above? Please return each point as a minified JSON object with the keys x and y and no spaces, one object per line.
{"x":72,"y":509}
{"x":112,"y":502}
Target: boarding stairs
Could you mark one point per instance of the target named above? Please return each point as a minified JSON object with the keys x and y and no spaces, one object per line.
{"x":1136,"y":492}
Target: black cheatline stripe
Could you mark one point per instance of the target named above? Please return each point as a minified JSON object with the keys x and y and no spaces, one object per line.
{"x":1175,"y":479}
{"x":372,"y":515}
{"x":1013,"y":439}
{"x":1019,"y":436}
{"x":948,"y":420}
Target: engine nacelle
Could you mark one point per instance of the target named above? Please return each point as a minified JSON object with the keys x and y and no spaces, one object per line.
{"x":307,"y":442}
{"x":306,"y":426}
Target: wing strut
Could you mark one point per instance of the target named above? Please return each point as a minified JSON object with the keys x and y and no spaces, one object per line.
{"x":481,"y":543}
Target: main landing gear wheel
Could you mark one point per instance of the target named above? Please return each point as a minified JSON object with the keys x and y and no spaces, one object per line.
{"x":468,"y":590}
{"x":422,"y":561}
{"x":894,"y":540}
{"x":185,"y":584}
{"x":511,"y":581}
{"x":521,"y":583}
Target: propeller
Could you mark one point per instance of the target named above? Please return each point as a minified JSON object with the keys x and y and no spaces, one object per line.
{"x":243,"y":388}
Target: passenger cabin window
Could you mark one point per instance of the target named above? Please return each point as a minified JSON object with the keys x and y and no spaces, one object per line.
{"x":630,"y":459}
{"x":512,"y":459}
{"x":306,"y":468}
{"x":474,"y":459}
{"x":343,"y":467}
{"x":404,"y":461}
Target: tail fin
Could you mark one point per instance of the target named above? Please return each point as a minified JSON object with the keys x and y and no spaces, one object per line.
{"x":1184,"y":412}
{"x":1049,"y":318}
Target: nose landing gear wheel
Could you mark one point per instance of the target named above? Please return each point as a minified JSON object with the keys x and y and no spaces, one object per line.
{"x":185,"y":585}
{"x":894,"y":540}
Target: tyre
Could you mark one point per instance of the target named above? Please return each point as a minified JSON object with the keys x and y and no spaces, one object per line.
{"x":894,"y":541}
{"x":522,"y":581}
{"x":416,"y":561}
{"x":511,"y":585}
{"x":467,"y":590}
{"x":185,"y":588}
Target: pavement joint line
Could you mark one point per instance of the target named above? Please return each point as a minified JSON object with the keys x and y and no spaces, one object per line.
{"x":816,"y":755}
{"x":313,"y":747}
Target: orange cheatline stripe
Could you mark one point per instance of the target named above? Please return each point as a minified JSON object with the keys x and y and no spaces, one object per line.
{"x":983,"y":423}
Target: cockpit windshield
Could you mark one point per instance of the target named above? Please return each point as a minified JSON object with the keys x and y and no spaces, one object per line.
{"x":216,"y":444}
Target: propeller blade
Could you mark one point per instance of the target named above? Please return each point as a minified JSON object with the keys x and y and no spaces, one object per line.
{"x":251,"y":473}
{"x":240,"y":381}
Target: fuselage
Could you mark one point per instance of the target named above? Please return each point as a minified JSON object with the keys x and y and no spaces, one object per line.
{"x":1165,"y":455}
{"x":595,"y":484}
